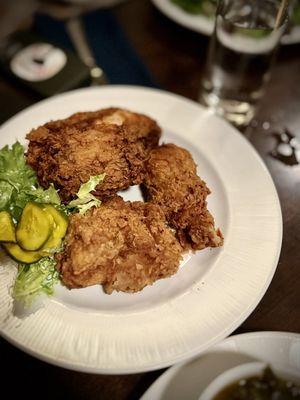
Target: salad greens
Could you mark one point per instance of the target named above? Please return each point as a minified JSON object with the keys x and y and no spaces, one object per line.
{"x":206,"y":7}
{"x":18,"y":186}
{"x":18,"y":183}
{"x":35,"y":279}
{"x":295,"y":18}
{"x":85,"y":200}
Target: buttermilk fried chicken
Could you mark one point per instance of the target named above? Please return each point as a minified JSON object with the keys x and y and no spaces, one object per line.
{"x":171,"y":181}
{"x":122,"y":245}
{"x":111,"y":141}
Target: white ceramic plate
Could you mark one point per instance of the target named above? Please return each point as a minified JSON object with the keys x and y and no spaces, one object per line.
{"x":205,"y":25}
{"x":187,"y":381}
{"x":198,"y":23}
{"x":213,"y":292}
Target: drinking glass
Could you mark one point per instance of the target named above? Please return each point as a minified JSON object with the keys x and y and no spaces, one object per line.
{"x":241,"y":51}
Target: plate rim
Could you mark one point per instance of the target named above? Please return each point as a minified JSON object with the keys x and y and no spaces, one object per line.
{"x":197,"y":350}
{"x":201,"y":25}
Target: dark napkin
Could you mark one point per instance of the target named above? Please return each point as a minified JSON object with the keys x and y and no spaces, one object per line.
{"x":110,"y":47}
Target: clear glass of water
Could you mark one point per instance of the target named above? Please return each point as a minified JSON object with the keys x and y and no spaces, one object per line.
{"x":242,"y":49}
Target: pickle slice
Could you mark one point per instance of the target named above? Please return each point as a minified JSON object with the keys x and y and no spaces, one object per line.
{"x":59,"y":228}
{"x":20,"y":255}
{"x":7,"y":228}
{"x":34,"y":227}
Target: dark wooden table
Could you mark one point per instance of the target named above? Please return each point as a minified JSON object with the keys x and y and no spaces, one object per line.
{"x":176,"y":58}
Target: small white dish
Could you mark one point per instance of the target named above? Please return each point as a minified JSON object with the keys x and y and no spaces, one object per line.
{"x":280,"y":350}
{"x":202,"y":24}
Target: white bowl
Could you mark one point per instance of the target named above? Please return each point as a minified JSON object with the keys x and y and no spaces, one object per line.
{"x":244,"y":371}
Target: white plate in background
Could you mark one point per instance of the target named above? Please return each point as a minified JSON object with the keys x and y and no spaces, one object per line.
{"x":205,"y":25}
{"x":198,"y":23}
{"x":213,"y":292}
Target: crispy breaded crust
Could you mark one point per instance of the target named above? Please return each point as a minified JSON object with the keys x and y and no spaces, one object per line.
{"x":115,"y":141}
{"x":122,"y":245}
{"x":171,"y":181}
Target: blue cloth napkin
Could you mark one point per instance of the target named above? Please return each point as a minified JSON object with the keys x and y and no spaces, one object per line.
{"x":110,"y":47}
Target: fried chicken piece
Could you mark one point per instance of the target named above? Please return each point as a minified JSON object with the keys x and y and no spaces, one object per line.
{"x":115,"y":141}
{"x":122,"y":245}
{"x":171,"y":181}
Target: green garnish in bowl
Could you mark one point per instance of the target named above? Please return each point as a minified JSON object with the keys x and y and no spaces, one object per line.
{"x":205,"y":7}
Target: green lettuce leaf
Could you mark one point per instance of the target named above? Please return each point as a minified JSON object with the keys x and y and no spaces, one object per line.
{"x":18,"y":182}
{"x":85,"y":200}
{"x":89,"y":186}
{"x":13,"y":167}
{"x":35,"y":279}
{"x":296,"y":15}
{"x":206,"y":7}
{"x":41,"y":195}
{"x":82,"y":208}
{"x":6,"y":191}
